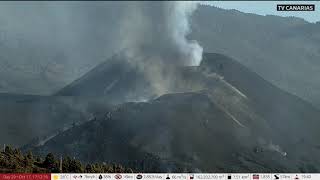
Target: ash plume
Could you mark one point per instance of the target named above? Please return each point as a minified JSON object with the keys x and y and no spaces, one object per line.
{"x":156,"y":34}
{"x":160,"y":29}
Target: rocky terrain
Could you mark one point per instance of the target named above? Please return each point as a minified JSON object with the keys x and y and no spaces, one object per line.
{"x":227,"y":119}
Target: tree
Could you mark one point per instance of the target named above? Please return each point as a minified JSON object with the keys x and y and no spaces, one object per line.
{"x":30,"y":155}
{"x":17,"y":152}
{"x":8,"y":150}
{"x":129,"y":170}
{"x":66,"y":164}
{"x":51,"y":164}
{"x":11,"y":161}
{"x":49,"y":160}
{"x":76,"y":166}
{"x":118,"y":168}
{"x":38,"y":159}
{"x":89,"y":168}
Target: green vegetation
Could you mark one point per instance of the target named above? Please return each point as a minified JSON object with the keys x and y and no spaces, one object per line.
{"x":13,"y":161}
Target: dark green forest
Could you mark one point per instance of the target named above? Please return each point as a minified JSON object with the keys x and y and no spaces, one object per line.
{"x":12,"y":160}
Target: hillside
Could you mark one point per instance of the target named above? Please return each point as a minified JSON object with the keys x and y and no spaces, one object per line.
{"x":282,"y":50}
{"x":116,"y":80}
{"x":30,"y":117}
{"x":221,"y":122}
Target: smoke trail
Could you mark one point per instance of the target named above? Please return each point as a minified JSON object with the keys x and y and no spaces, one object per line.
{"x":178,"y":21}
{"x":159,"y":29}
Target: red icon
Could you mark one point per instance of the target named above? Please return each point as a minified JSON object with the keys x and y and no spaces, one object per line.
{"x":118,"y":176}
{"x":255,"y":176}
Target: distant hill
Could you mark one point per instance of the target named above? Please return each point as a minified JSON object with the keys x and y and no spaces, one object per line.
{"x":43,"y":47}
{"x":283,"y":50}
{"x":29,"y":68}
{"x":220,"y":117}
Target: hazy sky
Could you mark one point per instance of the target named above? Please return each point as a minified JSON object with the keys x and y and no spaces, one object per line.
{"x":269,"y":7}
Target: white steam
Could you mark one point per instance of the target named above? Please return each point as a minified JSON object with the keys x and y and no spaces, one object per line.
{"x":160,"y":29}
{"x":178,"y":20}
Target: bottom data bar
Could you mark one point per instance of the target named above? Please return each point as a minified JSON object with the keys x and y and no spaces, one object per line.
{"x":188,"y":176}
{"x":161,"y":176}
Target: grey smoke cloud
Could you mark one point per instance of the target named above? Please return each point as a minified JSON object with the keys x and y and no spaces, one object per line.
{"x":70,"y":38}
{"x":154,"y":35}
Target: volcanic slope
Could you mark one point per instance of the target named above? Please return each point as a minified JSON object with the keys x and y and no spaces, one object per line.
{"x":220,"y":117}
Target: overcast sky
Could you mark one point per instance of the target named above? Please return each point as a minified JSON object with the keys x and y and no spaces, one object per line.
{"x":269,"y":7}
